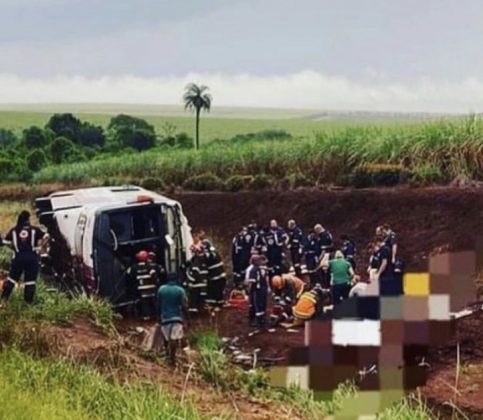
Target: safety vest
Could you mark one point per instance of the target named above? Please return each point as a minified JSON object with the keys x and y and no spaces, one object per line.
{"x":306,"y":306}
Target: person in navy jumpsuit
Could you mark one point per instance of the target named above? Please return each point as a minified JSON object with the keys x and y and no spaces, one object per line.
{"x":24,"y":239}
{"x":257,"y":285}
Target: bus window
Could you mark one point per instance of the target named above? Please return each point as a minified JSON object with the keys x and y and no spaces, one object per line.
{"x":79,"y":234}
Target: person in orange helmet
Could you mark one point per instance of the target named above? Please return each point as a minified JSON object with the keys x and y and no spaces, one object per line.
{"x":144,"y":275}
{"x":287,"y":289}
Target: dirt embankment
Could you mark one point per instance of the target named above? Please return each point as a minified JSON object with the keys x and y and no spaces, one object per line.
{"x":425,"y":219}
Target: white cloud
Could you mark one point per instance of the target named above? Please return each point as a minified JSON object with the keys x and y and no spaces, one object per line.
{"x":305,"y":89}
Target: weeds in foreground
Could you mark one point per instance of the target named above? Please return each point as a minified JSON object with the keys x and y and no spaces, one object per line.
{"x":216,"y":368}
{"x":46,"y":389}
{"x":57,"y":308}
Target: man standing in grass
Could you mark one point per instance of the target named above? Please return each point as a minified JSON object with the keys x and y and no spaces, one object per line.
{"x":173,"y":304}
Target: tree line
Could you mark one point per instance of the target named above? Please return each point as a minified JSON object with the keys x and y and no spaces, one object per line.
{"x":67,"y":139}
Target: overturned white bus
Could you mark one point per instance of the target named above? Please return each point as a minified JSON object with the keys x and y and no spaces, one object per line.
{"x":96,"y":233}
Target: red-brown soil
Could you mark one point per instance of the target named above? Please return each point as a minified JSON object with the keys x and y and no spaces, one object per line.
{"x":427,"y":220}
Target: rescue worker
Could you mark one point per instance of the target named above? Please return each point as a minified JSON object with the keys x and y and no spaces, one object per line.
{"x":295,"y":245}
{"x":341,"y":273}
{"x":288,"y":287}
{"x":325,"y":241}
{"x":197,"y":278}
{"x":374,"y":262}
{"x":160,"y":271}
{"x":257,"y":285}
{"x":172,"y":301}
{"x":145,"y":276}
{"x":274,"y":239}
{"x":241,"y":251}
{"x":25,"y":240}
{"x":390,"y":240}
{"x":216,"y":281}
{"x":387,"y":285}
{"x":348,"y":248}
{"x":309,"y":305}
{"x":312,"y":252}
{"x":256,"y":238}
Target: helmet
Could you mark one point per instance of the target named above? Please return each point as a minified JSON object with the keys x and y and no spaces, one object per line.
{"x":278,"y":282}
{"x":142,"y":256}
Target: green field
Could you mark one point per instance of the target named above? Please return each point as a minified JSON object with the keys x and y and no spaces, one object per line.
{"x":220,"y":123}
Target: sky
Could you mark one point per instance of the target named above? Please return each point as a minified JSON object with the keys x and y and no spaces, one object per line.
{"x":384,"y":55}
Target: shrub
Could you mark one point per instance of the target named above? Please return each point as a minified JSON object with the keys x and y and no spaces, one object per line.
{"x":7,"y":138}
{"x":36,"y":160}
{"x":203,"y":182}
{"x":427,"y":174}
{"x":64,"y":125}
{"x":299,"y":179}
{"x":379,"y":175}
{"x":270,"y":135}
{"x":261,"y":182}
{"x":178,"y":141}
{"x":154,"y":184}
{"x":35,"y":137}
{"x":61,"y":150}
{"x":238,"y":182}
{"x":139,"y":139}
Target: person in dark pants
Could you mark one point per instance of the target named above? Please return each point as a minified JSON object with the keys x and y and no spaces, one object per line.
{"x":241,"y":251}
{"x":216,"y":281}
{"x":342,"y":275}
{"x":388,"y":285}
{"x":24,"y":239}
{"x":197,"y":279}
{"x":275,"y":239}
{"x":257,"y":285}
{"x":312,"y":252}
{"x":348,"y":248}
{"x":145,"y":275}
{"x":296,"y":246}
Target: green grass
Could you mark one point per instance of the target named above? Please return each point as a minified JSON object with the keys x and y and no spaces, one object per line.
{"x":48,"y":389}
{"x":431,"y":152}
{"x":56,"y":308}
{"x":211,"y":127}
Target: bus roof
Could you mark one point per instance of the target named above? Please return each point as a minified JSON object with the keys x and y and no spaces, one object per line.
{"x":105,"y":196}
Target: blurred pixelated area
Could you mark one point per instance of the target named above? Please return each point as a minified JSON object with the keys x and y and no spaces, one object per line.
{"x":380,"y":340}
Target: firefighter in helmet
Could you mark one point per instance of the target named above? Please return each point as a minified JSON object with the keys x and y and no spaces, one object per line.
{"x":144,"y":274}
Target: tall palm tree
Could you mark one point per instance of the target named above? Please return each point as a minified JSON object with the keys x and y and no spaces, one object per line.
{"x":196,"y":98}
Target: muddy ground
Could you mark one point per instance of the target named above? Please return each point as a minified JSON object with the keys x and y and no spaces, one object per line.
{"x":427,"y":220}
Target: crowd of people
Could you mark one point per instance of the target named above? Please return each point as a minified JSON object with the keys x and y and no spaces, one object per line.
{"x":304,"y":273}
{"x":307,"y":272}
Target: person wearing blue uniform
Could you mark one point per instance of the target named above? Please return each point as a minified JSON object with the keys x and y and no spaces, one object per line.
{"x":275,"y":240}
{"x":24,"y":239}
{"x":385,"y":272}
{"x":241,"y":251}
{"x":296,"y":246}
{"x":325,"y":242}
{"x":312,"y":252}
{"x":391,"y":241}
{"x":257,"y":284}
{"x":348,"y":248}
